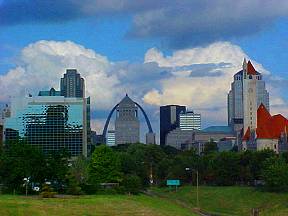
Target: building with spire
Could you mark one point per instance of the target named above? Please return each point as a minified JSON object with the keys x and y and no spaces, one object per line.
{"x":247,"y":93}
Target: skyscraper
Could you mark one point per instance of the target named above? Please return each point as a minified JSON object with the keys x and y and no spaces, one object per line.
{"x":72,"y":85}
{"x":127,"y":126}
{"x":190,"y":121}
{"x":169,"y":120}
{"x":246,"y":95}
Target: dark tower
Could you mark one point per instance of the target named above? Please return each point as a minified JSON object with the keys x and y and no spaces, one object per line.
{"x":169,"y":119}
{"x":72,"y":85}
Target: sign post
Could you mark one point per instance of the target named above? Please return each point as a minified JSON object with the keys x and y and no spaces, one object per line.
{"x":173,"y":182}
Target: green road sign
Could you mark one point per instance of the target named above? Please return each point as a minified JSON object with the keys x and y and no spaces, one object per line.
{"x":173,"y":182}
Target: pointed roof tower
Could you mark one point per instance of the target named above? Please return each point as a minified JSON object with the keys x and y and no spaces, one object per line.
{"x":250,"y":69}
{"x":127,"y":102}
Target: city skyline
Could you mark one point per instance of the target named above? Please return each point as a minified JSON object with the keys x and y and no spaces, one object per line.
{"x":153,"y":69}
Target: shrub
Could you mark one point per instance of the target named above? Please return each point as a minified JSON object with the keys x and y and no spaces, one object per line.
{"x":47,"y":192}
{"x":132,"y":184}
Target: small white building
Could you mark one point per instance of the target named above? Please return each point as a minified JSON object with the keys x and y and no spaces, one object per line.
{"x":190,"y":121}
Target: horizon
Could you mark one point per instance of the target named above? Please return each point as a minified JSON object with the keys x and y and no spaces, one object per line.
{"x":157,"y":53}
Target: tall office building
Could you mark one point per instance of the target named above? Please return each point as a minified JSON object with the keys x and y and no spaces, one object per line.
{"x":169,"y":120}
{"x":247,"y":93}
{"x":72,"y":85}
{"x":127,"y":125}
{"x":190,"y":121}
{"x":50,"y":123}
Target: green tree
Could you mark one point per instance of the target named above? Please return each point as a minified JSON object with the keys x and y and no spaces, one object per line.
{"x":18,"y":161}
{"x":77,"y":176}
{"x":210,"y":147}
{"x":57,"y":168}
{"x":275,"y":174}
{"x":132,"y":184}
{"x":104,"y":166}
{"x":226,"y":166}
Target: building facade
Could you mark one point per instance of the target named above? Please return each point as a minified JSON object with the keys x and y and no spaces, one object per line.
{"x":169,"y":120}
{"x":247,"y":93}
{"x":1,"y":135}
{"x":111,"y":140}
{"x":190,"y":121}
{"x":127,"y":125}
{"x":72,"y":84}
{"x":51,"y":123}
{"x":271,"y":133}
{"x":187,"y":139}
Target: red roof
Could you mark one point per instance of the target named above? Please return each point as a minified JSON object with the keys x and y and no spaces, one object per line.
{"x":246,"y":137}
{"x":268,"y":127}
{"x":250,"y":69}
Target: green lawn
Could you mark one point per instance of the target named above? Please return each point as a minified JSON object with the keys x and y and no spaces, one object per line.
{"x":100,"y":205}
{"x":230,"y":200}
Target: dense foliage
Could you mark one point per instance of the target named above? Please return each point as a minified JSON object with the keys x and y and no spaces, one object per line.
{"x":131,"y":168}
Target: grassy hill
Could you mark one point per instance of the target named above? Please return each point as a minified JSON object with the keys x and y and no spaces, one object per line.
{"x":101,"y":205}
{"x":229,"y":200}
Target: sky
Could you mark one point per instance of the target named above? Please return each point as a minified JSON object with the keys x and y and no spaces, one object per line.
{"x":159,"y":52}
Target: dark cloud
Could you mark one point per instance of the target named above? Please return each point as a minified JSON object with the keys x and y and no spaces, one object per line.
{"x":32,"y":11}
{"x":181,"y":23}
{"x":204,"y":70}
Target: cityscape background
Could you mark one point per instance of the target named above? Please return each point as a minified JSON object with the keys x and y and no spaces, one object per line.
{"x":118,"y":54}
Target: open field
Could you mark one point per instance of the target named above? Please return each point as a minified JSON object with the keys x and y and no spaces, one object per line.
{"x":217,"y":200}
{"x":230,"y":200}
{"x":100,"y":205}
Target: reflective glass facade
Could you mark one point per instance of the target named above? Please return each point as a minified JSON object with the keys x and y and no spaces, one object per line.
{"x":51,"y":123}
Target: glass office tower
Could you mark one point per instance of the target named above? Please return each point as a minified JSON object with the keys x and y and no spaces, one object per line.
{"x":50,"y":123}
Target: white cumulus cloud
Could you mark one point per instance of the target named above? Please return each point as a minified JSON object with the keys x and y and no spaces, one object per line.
{"x":206,"y":94}
{"x":199,"y":78}
{"x":42,"y":64}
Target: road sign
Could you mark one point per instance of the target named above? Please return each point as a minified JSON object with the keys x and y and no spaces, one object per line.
{"x":173,"y":182}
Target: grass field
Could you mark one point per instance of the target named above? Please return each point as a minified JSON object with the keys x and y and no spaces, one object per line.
{"x":230,"y":200}
{"x":100,"y":205}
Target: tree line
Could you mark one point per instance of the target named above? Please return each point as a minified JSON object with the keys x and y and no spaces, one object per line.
{"x":132,"y":168}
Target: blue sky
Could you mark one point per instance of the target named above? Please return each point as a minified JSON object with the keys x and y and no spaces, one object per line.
{"x":127,"y":33}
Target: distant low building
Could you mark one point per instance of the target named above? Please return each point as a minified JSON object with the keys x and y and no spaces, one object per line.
{"x":227,"y":144}
{"x":187,"y":139}
{"x":150,"y":138}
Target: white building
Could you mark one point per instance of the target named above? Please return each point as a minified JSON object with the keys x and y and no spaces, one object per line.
{"x":190,"y":121}
{"x":247,"y":93}
{"x":111,"y":141}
